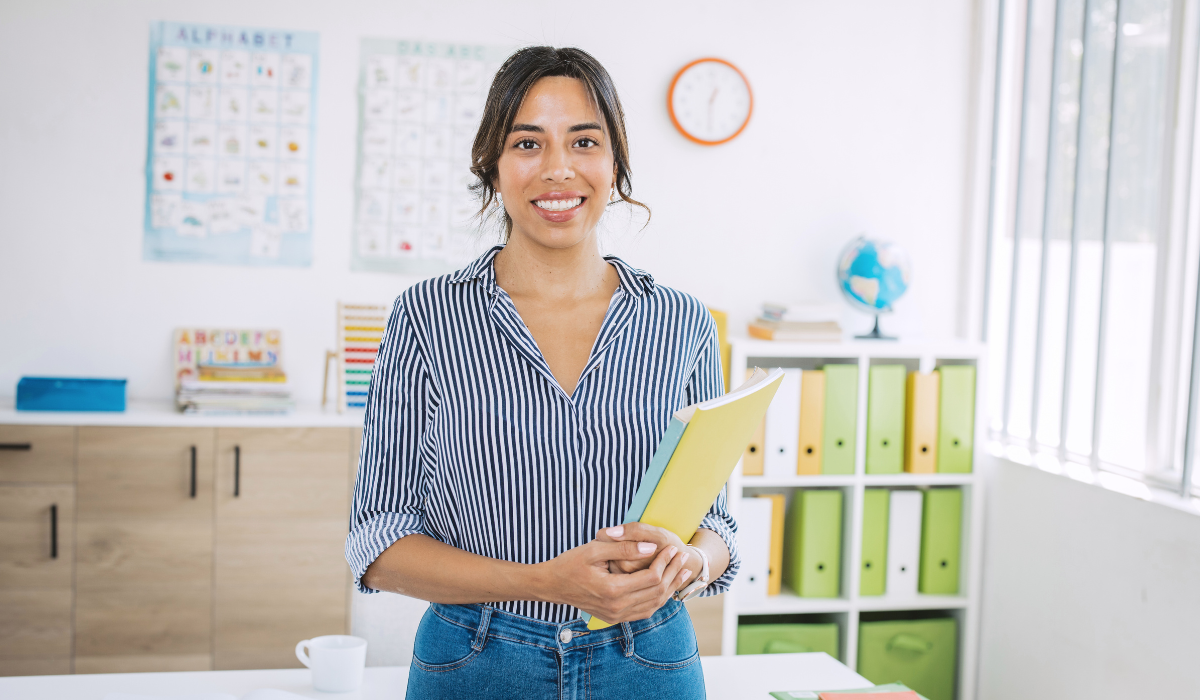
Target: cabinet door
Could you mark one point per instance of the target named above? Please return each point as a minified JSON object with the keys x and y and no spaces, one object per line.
{"x":282,"y":509}
{"x":145,"y":533}
{"x":36,"y":552}
{"x":37,"y":454}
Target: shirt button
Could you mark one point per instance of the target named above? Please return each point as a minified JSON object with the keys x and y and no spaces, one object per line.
{"x":565,"y":636}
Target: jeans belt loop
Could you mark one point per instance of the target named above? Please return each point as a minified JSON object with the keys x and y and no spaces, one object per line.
{"x":485,"y":619}
{"x":627,"y":640}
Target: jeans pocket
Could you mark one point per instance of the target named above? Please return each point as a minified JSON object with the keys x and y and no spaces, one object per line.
{"x":442,"y":645}
{"x":668,"y":646}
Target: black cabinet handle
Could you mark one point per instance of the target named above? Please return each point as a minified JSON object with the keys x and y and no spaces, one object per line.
{"x":54,"y":531}
{"x":193,"y":489}
{"x":16,"y":446}
{"x":237,"y":471}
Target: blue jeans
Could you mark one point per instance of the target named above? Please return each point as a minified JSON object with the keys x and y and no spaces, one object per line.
{"x":476,"y":651}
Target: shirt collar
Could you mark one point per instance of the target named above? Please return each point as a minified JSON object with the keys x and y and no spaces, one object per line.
{"x":634,"y":281}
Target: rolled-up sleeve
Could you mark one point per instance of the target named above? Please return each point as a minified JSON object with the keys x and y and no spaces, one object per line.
{"x":389,"y":492}
{"x":708,"y":382}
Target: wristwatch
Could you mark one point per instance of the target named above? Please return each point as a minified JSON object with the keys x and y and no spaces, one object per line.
{"x":701,"y":581}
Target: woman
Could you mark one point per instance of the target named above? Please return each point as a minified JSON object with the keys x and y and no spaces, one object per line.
{"x":514,"y":408}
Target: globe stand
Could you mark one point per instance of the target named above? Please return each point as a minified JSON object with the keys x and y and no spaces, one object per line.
{"x":875,"y":334}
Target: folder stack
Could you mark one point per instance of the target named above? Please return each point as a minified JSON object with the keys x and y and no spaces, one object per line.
{"x":812,"y":422}
{"x":841,"y":419}
{"x":941,"y":529}
{"x":873,"y":577}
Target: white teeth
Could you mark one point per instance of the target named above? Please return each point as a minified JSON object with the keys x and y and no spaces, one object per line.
{"x":559,"y":204}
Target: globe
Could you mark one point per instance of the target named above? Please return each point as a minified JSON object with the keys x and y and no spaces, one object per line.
{"x":873,"y":275}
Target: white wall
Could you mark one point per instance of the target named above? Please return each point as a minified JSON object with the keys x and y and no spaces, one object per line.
{"x":861,"y":124}
{"x":1087,"y":593}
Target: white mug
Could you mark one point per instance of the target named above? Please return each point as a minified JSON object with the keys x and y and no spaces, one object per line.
{"x":336,"y":660}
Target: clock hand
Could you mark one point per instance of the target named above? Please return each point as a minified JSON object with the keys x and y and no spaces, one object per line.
{"x":711,"y":99}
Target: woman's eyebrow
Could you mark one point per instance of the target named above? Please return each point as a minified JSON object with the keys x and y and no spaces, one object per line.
{"x":528,"y":127}
{"x":587,"y":126}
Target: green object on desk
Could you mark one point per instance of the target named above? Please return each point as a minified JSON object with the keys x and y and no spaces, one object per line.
{"x":922,"y":654}
{"x":788,"y":639}
{"x":805,"y":694}
{"x":885,"y":419}
{"x":841,"y":417}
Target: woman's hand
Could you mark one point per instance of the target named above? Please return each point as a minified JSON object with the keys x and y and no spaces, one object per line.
{"x":580,"y":577}
{"x":660,"y":537}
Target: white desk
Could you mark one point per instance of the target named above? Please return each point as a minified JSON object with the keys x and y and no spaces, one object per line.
{"x":726,"y":678}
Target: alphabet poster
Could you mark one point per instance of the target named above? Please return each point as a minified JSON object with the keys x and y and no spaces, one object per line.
{"x":419,"y":108}
{"x":229,"y":164}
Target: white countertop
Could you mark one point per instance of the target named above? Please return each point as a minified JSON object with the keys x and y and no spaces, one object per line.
{"x":162,"y":414}
{"x":726,"y":678}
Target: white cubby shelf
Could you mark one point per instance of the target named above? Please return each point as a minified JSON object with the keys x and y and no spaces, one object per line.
{"x":850,"y":607}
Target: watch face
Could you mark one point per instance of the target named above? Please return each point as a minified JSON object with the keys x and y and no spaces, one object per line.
{"x":710,"y":101}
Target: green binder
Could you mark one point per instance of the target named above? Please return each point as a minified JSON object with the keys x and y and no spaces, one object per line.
{"x":841,"y":418}
{"x":921,"y":654}
{"x":812,"y":564}
{"x":941,"y":528}
{"x":956,"y":419}
{"x":873,"y":579}
{"x":885,"y":419}
{"x":788,"y":639}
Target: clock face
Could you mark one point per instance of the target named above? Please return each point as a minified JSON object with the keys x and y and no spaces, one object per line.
{"x":710,"y":101}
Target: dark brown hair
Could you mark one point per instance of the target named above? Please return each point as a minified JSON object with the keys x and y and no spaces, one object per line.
{"x":509,"y":87}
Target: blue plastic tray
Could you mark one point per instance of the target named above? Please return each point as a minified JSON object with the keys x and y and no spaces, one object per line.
{"x":70,"y":394}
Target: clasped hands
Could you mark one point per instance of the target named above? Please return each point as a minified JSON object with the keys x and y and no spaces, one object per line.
{"x":627,"y":573}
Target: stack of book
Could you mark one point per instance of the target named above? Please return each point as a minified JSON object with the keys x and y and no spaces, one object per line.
{"x":800,"y":323}
{"x":258,"y":390}
{"x":230,"y":371}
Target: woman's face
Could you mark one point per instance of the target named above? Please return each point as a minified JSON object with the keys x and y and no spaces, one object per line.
{"x":556,"y":171}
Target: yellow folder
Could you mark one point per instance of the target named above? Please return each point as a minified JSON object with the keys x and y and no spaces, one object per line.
{"x":812,"y":421}
{"x":778,"y":508}
{"x":921,"y":424}
{"x":752,"y":461}
{"x":716,"y":434}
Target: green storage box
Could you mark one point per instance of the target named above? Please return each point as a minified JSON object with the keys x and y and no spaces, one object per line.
{"x":789,"y":639}
{"x":841,"y":419}
{"x":921,"y":654}
{"x":812,"y":543}
{"x":885,"y":419}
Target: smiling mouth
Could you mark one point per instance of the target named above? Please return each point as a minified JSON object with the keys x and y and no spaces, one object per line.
{"x":558,"y":204}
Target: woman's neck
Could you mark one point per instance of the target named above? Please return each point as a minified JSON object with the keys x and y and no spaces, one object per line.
{"x":526,"y":269}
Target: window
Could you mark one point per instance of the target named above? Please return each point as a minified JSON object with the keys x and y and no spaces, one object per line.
{"x":1090,"y":299}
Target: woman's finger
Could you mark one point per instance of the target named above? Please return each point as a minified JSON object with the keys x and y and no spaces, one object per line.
{"x":620,"y":551}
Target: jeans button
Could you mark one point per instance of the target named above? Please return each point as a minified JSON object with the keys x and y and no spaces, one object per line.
{"x":565,"y":636}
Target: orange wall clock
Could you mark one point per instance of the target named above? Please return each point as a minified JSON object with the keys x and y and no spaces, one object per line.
{"x":710,"y":101}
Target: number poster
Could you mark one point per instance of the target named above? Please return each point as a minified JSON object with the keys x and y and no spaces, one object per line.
{"x":229,"y":165}
{"x":419,"y":108}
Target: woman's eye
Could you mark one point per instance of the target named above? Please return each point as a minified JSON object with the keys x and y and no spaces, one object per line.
{"x":526,"y":144}
{"x":586,"y":142}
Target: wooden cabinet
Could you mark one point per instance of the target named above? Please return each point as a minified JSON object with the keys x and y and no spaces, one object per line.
{"x":37,"y":454}
{"x":145,"y":550}
{"x":177,"y":548}
{"x":36,"y":555}
{"x":282,"y":507}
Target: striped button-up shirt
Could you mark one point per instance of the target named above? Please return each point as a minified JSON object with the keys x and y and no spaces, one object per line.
{"x":470,"y":440}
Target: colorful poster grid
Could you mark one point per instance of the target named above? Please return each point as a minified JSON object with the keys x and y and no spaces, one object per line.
{"x":419,"y":108}
{"x":229,"y":163}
